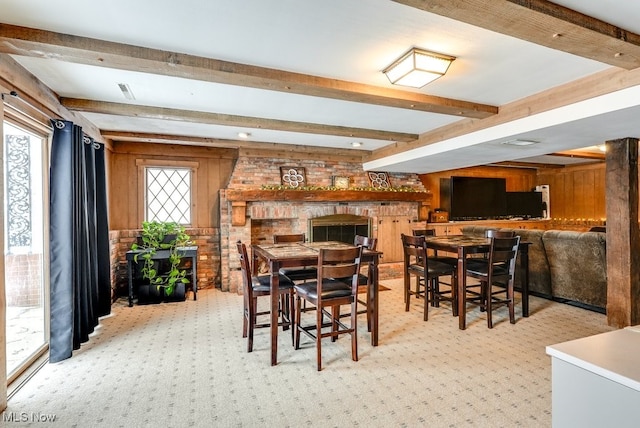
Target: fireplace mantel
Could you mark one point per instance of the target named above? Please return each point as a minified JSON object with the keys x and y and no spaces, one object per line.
{"x":239,"y":199}
{"x":234,"y":195}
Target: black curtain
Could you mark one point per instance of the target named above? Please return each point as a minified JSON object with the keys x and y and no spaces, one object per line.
{"x":79,"y":241}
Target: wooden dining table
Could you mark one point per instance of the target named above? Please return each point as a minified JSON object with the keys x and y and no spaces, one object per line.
{"x":463,"y":246}
{"x":282,"y":255}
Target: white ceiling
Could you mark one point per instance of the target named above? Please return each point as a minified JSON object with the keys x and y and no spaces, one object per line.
{"x":351,"y":40}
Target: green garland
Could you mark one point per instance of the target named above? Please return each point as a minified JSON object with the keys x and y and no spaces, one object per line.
{"x":360,"y":189}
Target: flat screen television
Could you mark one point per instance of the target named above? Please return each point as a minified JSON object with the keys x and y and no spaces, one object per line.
{"x":524,"y":204}
{"x":474,"y":198}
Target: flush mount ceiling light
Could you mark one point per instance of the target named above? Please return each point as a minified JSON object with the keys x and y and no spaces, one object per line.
{"x":244,"y":135}
{"x":418,"y":67}
{"x":356,"y":144}
{"x":520,"y":142}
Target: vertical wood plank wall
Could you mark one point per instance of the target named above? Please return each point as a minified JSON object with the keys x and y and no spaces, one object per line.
{"x":215,"y":166}
{"x":576,"y":192}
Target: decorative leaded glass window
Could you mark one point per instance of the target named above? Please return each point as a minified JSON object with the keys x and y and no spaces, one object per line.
{"x":23,"y":187}
{"x":168,"y":194}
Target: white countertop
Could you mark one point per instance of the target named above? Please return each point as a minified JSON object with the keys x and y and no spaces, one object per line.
{"x":614,"y":355}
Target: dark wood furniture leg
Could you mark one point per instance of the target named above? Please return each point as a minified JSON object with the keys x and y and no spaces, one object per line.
{"x":524,"y":259}
{"x":275,"y":298}
{"x":462,"y":288}
{"x":375,"y":301}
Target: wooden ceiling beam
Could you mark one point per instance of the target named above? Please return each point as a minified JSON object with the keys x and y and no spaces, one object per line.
{"x":36,"y":43}
{"x":544,"y":23}
{"x":147,"y":112}
{"x":250,"y":148}
{"x":37,"y":97}
{"x":528,"y":165}
{"x":580,"y":155}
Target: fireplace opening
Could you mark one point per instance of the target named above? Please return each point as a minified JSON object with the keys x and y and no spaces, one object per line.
{"x":338,"y":227}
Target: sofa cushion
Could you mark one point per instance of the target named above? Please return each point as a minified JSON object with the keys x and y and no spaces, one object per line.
{"x":475,"y":230}
{"x":539,"y":275}
{"x":577,"y":265}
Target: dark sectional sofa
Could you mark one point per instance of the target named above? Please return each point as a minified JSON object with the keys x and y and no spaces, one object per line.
{"x":563,"y":264}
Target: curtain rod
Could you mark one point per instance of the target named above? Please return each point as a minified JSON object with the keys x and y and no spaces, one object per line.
{"x":16,"y":96}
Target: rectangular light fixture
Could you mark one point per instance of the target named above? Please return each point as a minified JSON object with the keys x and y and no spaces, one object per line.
{"x":418,"y":67}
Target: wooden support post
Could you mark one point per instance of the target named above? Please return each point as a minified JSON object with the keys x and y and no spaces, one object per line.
{"x":623,"y":233}
{"x":423,"y":211}
{"x":238,"y":213}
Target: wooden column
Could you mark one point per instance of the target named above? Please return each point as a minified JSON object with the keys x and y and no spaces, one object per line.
{"x":623,"y":235}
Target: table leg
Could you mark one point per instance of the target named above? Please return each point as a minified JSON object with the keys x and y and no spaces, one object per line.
{"x":462,"y":287}
{"x":374,"y":303}
{"x":275,"y":298}
{"x":524,"y":259}
{"x":369,"y":298}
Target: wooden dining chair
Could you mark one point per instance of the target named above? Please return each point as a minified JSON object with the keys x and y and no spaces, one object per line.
{"x":497,"y":233}
{"x":491,"y":233}
{"x":426,"y":271}
{"x":296,"y":273}
{"x":257,"y":286}
{"x":433,"y":255}
{"x":327,"y":291}
{"x":288,"y":238}
{"x":363,"y":279}
{"x":496,"y":277}
{"x":369,"y":243}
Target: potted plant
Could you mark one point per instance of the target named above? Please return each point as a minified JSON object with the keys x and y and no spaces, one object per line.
{"x":161,"y":241}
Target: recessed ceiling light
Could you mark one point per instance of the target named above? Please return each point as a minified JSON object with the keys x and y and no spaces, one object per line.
{"x":356,"y":144}
{"x":520,"y":142}
{"x":244,"y":134}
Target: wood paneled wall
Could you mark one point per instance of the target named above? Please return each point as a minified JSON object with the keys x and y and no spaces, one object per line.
{"x":518,"y":179}
{"x":576,"y":192}
{"x":214,"y":170}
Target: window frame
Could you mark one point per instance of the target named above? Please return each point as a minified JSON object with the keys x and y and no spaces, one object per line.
{"x":16,"y":117}
{"x":143,"y":164}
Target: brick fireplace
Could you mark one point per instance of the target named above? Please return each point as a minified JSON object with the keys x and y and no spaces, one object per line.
{"x":265,"y":218}
{"x":253,"y":216}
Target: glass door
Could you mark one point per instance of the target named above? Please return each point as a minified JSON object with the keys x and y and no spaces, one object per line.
{"x":25,"y":255}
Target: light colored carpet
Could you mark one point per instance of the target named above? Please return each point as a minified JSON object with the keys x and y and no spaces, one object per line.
{"x":185,"y":365}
